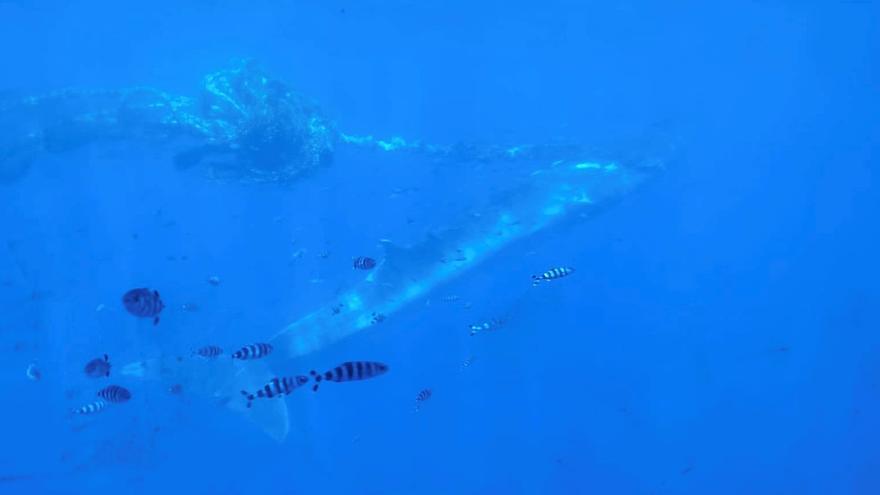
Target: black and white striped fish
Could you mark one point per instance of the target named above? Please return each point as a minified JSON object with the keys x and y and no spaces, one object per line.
{"x":350,"y":371}
{"x":208,"y":351}
{"x":552,"y":274}
{"x":253,"y":351}
{"x":277,"y":387}
{"x":363,"y":263}
{"x":423,"y":395}
{"x":143,"y":303}
{"x":115,"y":394}
{"x":92,"y":408}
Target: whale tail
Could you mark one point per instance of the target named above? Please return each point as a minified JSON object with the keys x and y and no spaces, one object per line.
{"x":221,"y":381}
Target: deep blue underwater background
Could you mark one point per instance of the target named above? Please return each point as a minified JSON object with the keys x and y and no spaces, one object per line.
{"x":720,"y":334}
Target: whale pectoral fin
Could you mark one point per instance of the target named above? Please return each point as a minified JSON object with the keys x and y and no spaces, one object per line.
{"x":271,"y":415}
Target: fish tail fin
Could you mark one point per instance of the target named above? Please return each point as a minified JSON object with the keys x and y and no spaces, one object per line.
{"x":317,"y":380}
{"x":155,"y":321}
{"x":249,"y":397}
{"x":536,"y":280}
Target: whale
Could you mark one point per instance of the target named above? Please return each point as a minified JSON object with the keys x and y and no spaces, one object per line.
{"x":541,"y":196}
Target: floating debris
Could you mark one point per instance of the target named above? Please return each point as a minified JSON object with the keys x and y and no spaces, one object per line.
{"x":350,"y":371}
{"x":214,"y":280}
{"x":98,"y":367}
{"x":364,"y":263}
{"x":552,"y":274}
{"x":490,"y":325}
{"x":33,"y":372}
{"x":467,"y":363}
{"x":99,"y":308}
{"x":143,"y":303}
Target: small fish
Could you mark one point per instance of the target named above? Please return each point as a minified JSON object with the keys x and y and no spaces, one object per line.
{"x":143,"y":303}
{"x":552,"y":274}
{"x":450,"y":299}
{"x":364,"y":263}
{"x":422,"y":396}
{"x":377,"y":318}
{"x":98,"y":367}
{"x":33,"y":372}
{"x":214,"y":280}
{"x":175,"y":389}
{"x":115,"y":394}
{"x":189,"y":307}
{"x":350,"y":371}
{"x":277,"y":387}
{"x":253,"y":351}
{"x":99,"y":308}
{"x":492,"y":324}
{"x":208,"y":351}
{"x":92,"y":408}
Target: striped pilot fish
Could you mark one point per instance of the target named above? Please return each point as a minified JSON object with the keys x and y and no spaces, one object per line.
{"x":253,"y":351}
{"x":552,"y":274}
{"x":364,"y":263}
{"x":350,"y":371}
{"x":423,"y":395}
{"x":208,"y":351}
{"x":92,"y":408}
{"x":277,"y":387}
{"x":115,"y":394}
{"x":143,"y":303}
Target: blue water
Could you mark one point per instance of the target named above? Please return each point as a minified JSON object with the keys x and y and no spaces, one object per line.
{"x":719,"y":335}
